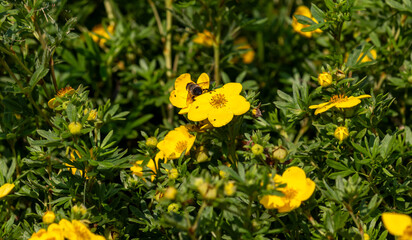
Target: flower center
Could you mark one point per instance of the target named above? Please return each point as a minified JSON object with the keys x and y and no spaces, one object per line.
{"x":290,"y":193}
{"x":338,"y":98}
{"x":407,"y":234}
{"x":181,"y":146}
{"x":218,"y":101}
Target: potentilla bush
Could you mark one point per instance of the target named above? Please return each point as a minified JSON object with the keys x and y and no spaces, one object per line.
{"x":205,"y":119}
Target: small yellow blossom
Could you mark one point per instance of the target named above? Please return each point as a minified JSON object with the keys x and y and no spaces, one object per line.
{"x":297,"y":27}
{"x":64,"y":92}
{"x":325,"y":79}
{"x":257,"y":149}
{"x":137,"y":168}
{"x":174,"y":207}
{"x":230,"y":188}
{"x":298,"y":189}
{"x":181,"y":97}
{"x":151,"y":142}
{"x":198,"y":181}
{"x":170,"y":193}
{"x":219,"y":106}
{"x":92,"y":115}
{"x":398,"y":224}
{"x":223,"y":174}
{"x":205,"y":38}
{"x":366,"y":236}
{"x":341,"y":133}
{"x":100,"y":35}
{"x":5,"y":189}
{"x":175,"y":143}
{"x":73,"y":157}
{"x":242,"y":44}
{"x":339,"y":101}
{"x":49,"y":217}
{"x":75,"y":128}
{"x":173,"y":173}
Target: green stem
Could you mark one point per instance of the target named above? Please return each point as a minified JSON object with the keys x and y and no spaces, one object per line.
{"x":216,"y":45}
{"x":17,"y":59}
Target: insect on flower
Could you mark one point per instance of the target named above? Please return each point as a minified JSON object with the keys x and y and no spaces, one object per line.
{"x":194,"y":90}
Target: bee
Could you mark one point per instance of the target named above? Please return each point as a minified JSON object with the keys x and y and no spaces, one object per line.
{"x":194,"y":90}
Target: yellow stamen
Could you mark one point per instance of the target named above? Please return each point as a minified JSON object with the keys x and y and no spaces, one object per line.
{"x":218,"y":101}
{"x":338,"y":98}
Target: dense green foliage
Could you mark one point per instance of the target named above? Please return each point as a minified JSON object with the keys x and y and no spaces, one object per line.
{"x":122,"y":59}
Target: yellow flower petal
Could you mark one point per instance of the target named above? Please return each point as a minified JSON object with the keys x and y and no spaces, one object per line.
{"x":5,"y":189}
{"x":238,"y":105}
{"x":203,"y":81}
{"x":181,"y":82}
{"x":324,"y":108}
{"x":309,"y":189}
{"x":351,"y":102}
{"x":200,"y":108}
{"x":396,"y":223}
{"x":178,"y":100}
{"x":318,"y":106}
{"x":220,"y":117}
{"x":232,"y":89}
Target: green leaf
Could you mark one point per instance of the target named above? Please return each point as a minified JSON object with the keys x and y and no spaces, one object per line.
{"x":37,"y":76}
{"x":304,"y":20}
{"x":336,"y":165}
{"x":317,"y":13}
{"x":313,"y":27}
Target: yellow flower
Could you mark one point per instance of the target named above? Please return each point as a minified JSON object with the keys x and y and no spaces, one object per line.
{"x":206,"y":38}
{"x":298,"y":189}
{"x":242,"y":44}
{"x":398,"y":224}
{"x":366,"y":58}
{"x":92,"y":115}
{"x":219,"y":106}
{"x":100,"y":34}
{"x":54,"y":232}
{"x":137,"y":168}
{"x":341,"y":133}
{"x":170,"y":193}
{"x":339,"y":101}
{"x":223,"y":174}
{"x":49,"y":217}
{"x":173,"y":173}
{"x":175,"y":142}
{"x":75,"y":128}
{"x":325,"y":79}
{"x":182,"y":98}
{"x":297,"y":27}
{"x":73,"y":157}
{"x":366,"y":236}
{"x":229,"y":188}
{"x":67,"y":91}
{"x":5,"y":189}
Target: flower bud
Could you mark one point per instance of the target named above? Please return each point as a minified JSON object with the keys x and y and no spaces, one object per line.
{"x":341,"y":133}
{"x":340,"y":75}
{"x":207,"y":191}
{"x":92,"y":114}
{"x":80,"y":211}
{"x":229,"y":188}
{"x":325,"y":79}
{"x":173,"y":173}
{"x":201,"y":155}
{"x":280,"y":153}
{"x":223,"y":174}
{"x":49,"y":217}
{"x":366,"y":236}
{"x":75,"y":128}
{"x":410,"y":79}
{"x":174,"y":207}
{"x":170,"y":193}
{"x":151,"y":142}
{"x":257,"y":149}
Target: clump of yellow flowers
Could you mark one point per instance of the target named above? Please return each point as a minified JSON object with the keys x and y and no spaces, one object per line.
{"x":66,"y":230}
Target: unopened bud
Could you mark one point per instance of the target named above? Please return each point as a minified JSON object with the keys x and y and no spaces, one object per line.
{"x":49,"y":217}
{"x":280,"y":153}
{"x":151,"y":142}
{"x":341,"y":133}
{"x":257,"y":149}
{"x":75,"y":128}
{"x":325,"y":79}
